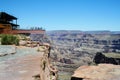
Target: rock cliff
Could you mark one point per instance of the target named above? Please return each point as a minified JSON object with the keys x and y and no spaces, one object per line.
{"x":47,"y":70}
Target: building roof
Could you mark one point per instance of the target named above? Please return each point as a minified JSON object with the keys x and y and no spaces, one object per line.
{"x":8,"y":17}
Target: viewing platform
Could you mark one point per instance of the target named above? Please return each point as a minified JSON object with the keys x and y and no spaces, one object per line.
{"x":8,"y":25}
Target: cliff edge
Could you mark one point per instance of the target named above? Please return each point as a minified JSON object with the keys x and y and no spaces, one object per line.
{"x":47,"y":70}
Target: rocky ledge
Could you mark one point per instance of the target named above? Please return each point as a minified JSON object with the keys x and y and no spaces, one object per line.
{"x":100,"y":72}
{"x":27,"y":64}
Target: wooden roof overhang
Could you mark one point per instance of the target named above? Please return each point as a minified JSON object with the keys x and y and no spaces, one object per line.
{"x":6,"y":16}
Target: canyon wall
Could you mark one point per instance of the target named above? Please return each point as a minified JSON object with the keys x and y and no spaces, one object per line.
{"x":71,"y":49}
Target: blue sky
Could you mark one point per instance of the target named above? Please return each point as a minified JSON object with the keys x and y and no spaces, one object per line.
{"x":83,"y":15}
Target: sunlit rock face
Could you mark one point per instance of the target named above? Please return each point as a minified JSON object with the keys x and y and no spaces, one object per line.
{"x":100,"y":72}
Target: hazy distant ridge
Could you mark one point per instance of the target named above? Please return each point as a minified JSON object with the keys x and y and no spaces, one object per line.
{"x":82,"y":32}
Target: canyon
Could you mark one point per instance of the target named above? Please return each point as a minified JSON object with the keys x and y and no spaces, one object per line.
{"x":73,"y":48}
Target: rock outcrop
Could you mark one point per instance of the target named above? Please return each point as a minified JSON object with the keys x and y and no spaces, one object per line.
{"x":47,"y":70}
{"x":100,"y":72}
{"x":100,"y":58}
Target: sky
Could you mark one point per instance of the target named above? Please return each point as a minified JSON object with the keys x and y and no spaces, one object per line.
{"x":85,"y":15}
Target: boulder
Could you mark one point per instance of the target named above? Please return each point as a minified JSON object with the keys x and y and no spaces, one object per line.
{"x":100,"y":72}
{"x":22,"y":43}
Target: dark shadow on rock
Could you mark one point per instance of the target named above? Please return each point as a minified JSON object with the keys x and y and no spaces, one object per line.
{"x":101,"y":58}
{"x":75,"y":78}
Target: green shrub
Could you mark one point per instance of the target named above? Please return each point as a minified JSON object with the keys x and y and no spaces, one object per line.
{"x":9,"y":40}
